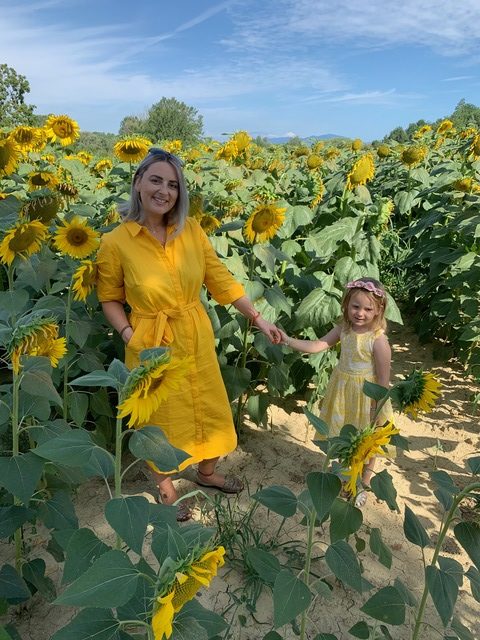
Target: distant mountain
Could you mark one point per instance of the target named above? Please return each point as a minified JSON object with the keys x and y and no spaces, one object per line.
{"x":307,"y":140}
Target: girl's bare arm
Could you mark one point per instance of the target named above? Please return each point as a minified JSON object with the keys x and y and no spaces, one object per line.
{"x":313,"y":346}
{"x":382,"y":355}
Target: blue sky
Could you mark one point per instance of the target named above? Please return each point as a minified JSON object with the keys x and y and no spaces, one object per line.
{"x":272,"y":67}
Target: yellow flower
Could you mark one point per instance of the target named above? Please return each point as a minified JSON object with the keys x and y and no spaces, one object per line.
{"x":111,"y":217}
{"x":276,"y":165}
{"x":62,"y":128}
{"x":150,"y":384}
{"x":84,"y":157}
{"x":313,"y":161}
{"x":103,"y":165}
{"x":184,"y":587}
{"x":464,"y":184}
{"x":29,"y":138}
{"x":193,"y":154}
{"x":83,"y":280}
{"x":362,"y":171}
{"x":49,"y":157}
{"x":42,"y":180}
{"x":242,"y":140}
{"x":413,"y":155}
{"x":357,"y":144}
{"x":196,"y":205}
{"x":173,"y":146}
{"x":132,"y":148}
{"x":474,"y":148}
{"x":419,"y":133}
{"x":417,"y":392}
{"x":76,"y":238}
{"x":264,"y":223}
{"x":331,"y":153}
{"x":67,"y":189}
{"x":444,"y":126}
{"x":300,"y":151}
{"x":209,"y":223}
{"x":364,"y":445}
{"x":318,"y":146}
{"x":383,"y":151}
{"x":43,"y":208}
{"x":9,"y":156}
{"x":317,"y":191}
{"x":469,"y":132}
{"x":229,"y":151}
{"x":24,"y":239}
{"x":39,"y":337}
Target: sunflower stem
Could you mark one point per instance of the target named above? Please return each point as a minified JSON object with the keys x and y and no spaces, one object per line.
{"x":438,"y":547}
{"x":118,"y":468}
{"x":67,"y":340}
{"x":15,"y":451}
{"x":308,"y":561}
{"x":10,"y":271}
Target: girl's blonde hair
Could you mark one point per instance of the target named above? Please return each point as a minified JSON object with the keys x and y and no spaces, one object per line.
{"x":375,"y":291}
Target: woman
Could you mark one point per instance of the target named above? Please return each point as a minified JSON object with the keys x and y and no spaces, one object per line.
{"x":157,"y":261}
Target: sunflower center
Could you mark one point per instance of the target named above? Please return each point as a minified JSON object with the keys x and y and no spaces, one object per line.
{"x":77,"y":237}
{"x":39,"y":180}
{"x":22,"y":240}
{"x":62,"y":128}
{"x":263,"y":220}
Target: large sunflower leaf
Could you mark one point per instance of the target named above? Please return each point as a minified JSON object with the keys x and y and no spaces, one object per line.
{"x":291,"y":597}
{"x":150,"y":443}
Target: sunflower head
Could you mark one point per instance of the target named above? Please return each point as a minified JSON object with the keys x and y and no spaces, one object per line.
{"x":10,"y":155}
{"x":242,"y":140}
{"x":383,"y":151}
{"x":474,"y":148}
{"x":413,"y":155}
{"x":23,"y":240}
{"x":357,"y":144}
{"x":317,"y":189}
{"x":43,"y":208}
{"x":173,"y":146}
{"x":103,"y":166}
{"x":229,"y":151}
{"x":193,"y":154}
{"x":264,"y":223}
{"x":196,"y":205}
{"x":444,"y":127}
{"x":132,"y":148}
{"x":76,"y":238}
{"x":209,"y":223}
{"x":83,"y":280}
{"x":362,"y":171}
{"x":421,"y":131}
{"x":62,"y":128}
{"x":417,"y":392}
{"x":331,"y":153}
{"x":29,"y":138}
{"x":67,"y":189}
{"x":42,"y":180}
{"x":314,"y":161}
{"x":300,"y":151}
{"x":465,"y":185}
{"x":84,"y":157}
{"x":36,"y":337}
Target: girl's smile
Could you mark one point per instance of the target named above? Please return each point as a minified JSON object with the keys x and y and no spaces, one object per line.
{"x":361,"y":311}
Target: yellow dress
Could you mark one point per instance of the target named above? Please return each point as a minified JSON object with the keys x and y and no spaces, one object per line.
{"x":162,"y":286}
{"x":344,"y":401}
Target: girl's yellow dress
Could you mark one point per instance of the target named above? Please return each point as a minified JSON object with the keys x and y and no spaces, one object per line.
{"x":162,"y":286}
{"x":344,"y":401}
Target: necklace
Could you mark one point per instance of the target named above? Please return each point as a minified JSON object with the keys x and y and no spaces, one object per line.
{"x":160,"y":233}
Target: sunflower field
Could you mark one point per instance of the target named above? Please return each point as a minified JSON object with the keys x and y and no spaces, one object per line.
{"x":294,"y":224}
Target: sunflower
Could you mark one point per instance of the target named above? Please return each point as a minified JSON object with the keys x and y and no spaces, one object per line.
{"x":42,"y":180}
{"x":193,"y":154}
{"x":444,"y":126}
{"x":318,"y":146}
{"x":362,"y":171}
{"x":264,"y":223}
{"x":83,"y":280}
{"x":383,"y":151}
{"x":84,"y":157}
{"x":314,"y":161}
{"x":24,"y":239}
{"x":299,"y":152}
{"x":318,"y":189}
{"x":196,"y":206}
{"x":49,"y":157}
{"x":62,"y":128}
{"x":209,"y":223}
{"x":111,"y":217}
{"x":76,"y":238}
{"x":276,"y":164}
{"x":43,"y":208}
{"x":474,"y":147}
{"x":132,"y":148}
{"x":29,"y":138}
{"x":67,"y":189}
{"x":150,"y":384}
{"x":9,"y":156}
{"x":363,"y":446}
{"x":419,"y":133}
{"x":469,"y":132}
{"x":39,"y":337}
{"x":413,"y":155}
{"x":190,"y":577}
{"x":331,"y":153}
{"x":357,"y":144}
{"x":173,"y":146}
{"x":417,"y":392}
{"x":229,"y":151}
{"x":464,"y":184}
{"x":242,"y":140}
{"x":103,"y":165}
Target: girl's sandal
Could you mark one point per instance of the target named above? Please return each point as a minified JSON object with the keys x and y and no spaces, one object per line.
{"x":231,"y":484}
{"x":184,"y":511}
{"x":361,"y":499}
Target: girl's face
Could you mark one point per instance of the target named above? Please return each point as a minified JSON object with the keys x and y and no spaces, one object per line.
{"x":158,"y":190}
{"x":362,"y":311}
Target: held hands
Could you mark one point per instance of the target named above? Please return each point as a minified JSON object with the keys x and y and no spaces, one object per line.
{"x":272,"y":332}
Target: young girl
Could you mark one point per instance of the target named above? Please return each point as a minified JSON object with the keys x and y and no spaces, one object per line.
{"x":365,"y":355}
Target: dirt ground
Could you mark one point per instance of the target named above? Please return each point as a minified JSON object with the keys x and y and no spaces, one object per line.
{"x":283,"y":455}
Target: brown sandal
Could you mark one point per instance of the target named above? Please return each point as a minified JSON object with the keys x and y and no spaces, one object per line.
{"x":231,"y":484}
{"x":184,"y":512}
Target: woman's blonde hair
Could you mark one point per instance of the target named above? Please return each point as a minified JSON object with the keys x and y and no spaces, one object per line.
{"x":375,"y":291}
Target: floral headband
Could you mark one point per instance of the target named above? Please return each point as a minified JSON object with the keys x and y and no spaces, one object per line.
{"x":368,"y":286}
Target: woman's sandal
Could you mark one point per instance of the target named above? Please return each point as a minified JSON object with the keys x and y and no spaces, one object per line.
{"x":361,"y":499}
{"x":231,"y":484}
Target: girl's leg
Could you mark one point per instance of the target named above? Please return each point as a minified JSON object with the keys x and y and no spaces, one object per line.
{"x":361,"y":497}
{"x":207,"y":476}
{"x":166,"y":490}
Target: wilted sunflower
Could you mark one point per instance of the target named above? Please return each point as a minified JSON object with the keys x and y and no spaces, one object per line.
{"x":67,"y":189}
{"x":264,"y":223}
{"x":111,"y":217}
{"x":193,"y":154}
{"x":195,"y":205}
{"x":383,"y":151}
{"x":255,"y":163}
{"x":314,"y":161}
{"x":362,"y":171}
{"x":469,"y":132}
{"x":209,"y":223}
{"x":43,"y":208}
{"x":318,"y":146}
{"x":132,"y":148}
{"x":444,"y":126}
{"x":417,"y":392}
{"x":9,"y":155}
{"x":464,"y":184}
{"x":29,"y":138}
{"x":331,"y":153}
{"x":150,"y":384}
{"x":39,"y":337}
{"x":76,"y":238}
{"x":24,"y":239}
{"x":474,"y":148}
{"x":364,"y":445}
{"x":300,"y":151}
{"x":83,"y":280}
{"x":317,"y":190}
{"x":42,"y":180}
{"x":191,"y":576}
{"x":62,"y":128}
{"x":357,"y":144}
{"x":276,"y":164}
{"x":413,"y":155}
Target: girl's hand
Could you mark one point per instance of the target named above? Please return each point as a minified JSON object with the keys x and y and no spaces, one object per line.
{"x":284,"y":338}
{"x":272,"y":332}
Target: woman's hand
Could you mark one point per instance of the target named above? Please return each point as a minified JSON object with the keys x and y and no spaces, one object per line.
{"x":272,"y":332}
{"x":127,"y":334}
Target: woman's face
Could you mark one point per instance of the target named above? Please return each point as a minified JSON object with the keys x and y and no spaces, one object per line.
{"x":158,"y":190}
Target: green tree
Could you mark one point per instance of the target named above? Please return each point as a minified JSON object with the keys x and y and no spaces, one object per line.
{"x":95,"y":142}
{"x":465,"y":115}
{"x":13,"y":88}
{"x":131,"y":125}
{"x":171,"y":119}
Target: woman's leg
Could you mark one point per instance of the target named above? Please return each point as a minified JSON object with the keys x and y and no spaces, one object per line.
{"x":207,"y":477}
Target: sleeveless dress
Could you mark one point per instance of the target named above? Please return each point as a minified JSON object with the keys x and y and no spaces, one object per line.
{"x":344,"y":401}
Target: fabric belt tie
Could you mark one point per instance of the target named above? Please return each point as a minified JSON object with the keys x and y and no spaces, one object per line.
{"x":162,"y":330}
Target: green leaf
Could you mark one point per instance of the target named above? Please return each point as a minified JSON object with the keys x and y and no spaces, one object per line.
{"x":474,"y":576}
{"x":236,"y":380}
{"x":414,"y":529}
{"x":392,"y":312}
{"x":474,"y":464}
{"x":177,"y":547}
{"x":278,"y":499}
{"x":461,"y":630}
{"x":325,"y":636}
{"x":291,"y":597}
{"x":82,"y":550}
{"x":128,"y":516}
{"x":324,"y":243}
{"x":444,"y":481}
{"x":90,"y":624}
{"x":406,"y":594}
{"x":360,"y":630}
{"x":34,"y":573}
{"x":13,"y":517}
{"x":386,"y":605}
{"x":444,"y":497}
{"x":319,"y":307}
{"x":213,"y":623}
{"x":272,"y":635}
{"x":345,"y":519}
{"x":379,"y":548}
{"x":324,"y":488}
{"x":101,"y":464}
{"x":444,"y":591}
{"x":39,"y":383}
{"x":452,"y":567}
{"x":276,"y":299}
{"x":150,"y":443}
{"x":96,"y":379}
{"x":12,"y":587}
{"x":72,"y":449}
{"x":77,"y":407}
{"x":188,"y":629}
{"x":265,"y":564}
{"x":110,"y":582}
{"x":139,"y":607}
{"x":79,"y":331}
{"x":13,"y":303}
{"x":382,"y":486}
{"x":468,"y":535}
{"x":59,"y":512}
{"x":20,"y":475}
{"x":119,"y":371}
{"x":400,"y":442}
{"x":343,"y":562}
{"x":320,"y":426}
{"x":257,"y":406}
{"x":374,"y":391}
